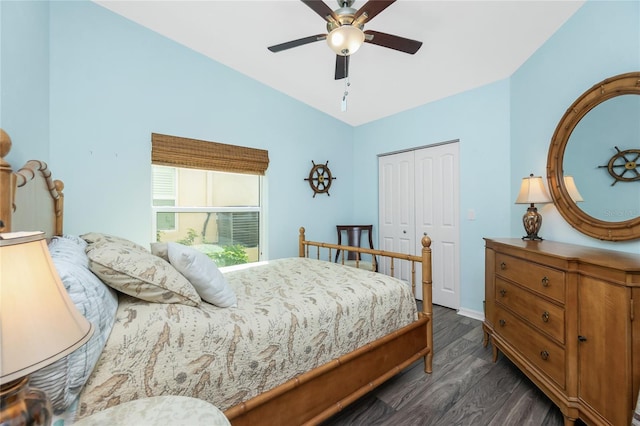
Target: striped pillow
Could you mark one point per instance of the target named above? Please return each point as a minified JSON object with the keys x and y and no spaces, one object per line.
{"x":64,"y":379}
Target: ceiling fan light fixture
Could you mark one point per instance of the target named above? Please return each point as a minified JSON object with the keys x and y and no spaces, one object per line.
{"x":345,"y":40}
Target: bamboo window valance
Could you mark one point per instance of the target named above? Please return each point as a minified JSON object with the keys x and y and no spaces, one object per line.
{"x":197,"y":154}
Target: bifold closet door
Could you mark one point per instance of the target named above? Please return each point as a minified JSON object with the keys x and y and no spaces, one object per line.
{"x":437,"y":215}
{"x":418,"y":195}
{"x":396,"y":210}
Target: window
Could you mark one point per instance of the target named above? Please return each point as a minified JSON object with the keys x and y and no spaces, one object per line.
{"x":197,"y":203}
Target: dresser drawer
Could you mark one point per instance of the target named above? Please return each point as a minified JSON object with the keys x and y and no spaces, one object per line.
{"x":541,"y":351}
{"x":547,"y":281}
{"x":538,"y":312}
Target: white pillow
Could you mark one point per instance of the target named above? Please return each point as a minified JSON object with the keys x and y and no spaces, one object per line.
{"x":203,"y":274}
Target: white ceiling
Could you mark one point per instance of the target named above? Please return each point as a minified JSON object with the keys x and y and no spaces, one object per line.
{"x":466,"y":44}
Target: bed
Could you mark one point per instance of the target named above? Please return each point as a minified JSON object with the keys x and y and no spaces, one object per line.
{"x":334,"y":332}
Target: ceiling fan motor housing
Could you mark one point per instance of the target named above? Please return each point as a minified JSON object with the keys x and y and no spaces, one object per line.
{"x":345,"y":17}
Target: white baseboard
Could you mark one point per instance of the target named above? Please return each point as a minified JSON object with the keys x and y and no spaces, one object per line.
{"x":471,"y":314}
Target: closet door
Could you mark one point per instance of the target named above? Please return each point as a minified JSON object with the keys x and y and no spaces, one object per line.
{"x":418,"y":195}
{"x":437,"y":215}
{"x":396,"y":210}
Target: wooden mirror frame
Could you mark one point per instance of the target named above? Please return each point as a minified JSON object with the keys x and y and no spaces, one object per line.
{"x":623,"y":84}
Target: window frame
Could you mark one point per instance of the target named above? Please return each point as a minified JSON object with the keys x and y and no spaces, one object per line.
{"x":179,"y":152}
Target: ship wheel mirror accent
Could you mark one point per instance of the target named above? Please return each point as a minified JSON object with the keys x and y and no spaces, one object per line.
{"x":320,"y":178}
{"x":605,"y":215}
{"x":623,"y":162}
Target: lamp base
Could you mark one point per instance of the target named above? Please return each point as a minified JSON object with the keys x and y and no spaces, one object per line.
{"x":532,"y":221}
{"x":22,"y":405}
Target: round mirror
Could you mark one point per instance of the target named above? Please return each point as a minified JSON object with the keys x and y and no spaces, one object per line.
{"x":597,"y":142}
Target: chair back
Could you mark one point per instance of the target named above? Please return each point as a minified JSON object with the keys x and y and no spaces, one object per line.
{"x":354,"y":238}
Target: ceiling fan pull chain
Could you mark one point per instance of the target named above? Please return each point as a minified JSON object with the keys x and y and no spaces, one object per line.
{"x":343,"y":107}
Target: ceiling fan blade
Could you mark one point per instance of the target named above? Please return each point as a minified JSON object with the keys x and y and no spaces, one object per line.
{"x":372,"y":8}
{"x":342,"y":67}
{"x":296,"y":43}
{"x":392,"y":41}
{"x":321,"y":8}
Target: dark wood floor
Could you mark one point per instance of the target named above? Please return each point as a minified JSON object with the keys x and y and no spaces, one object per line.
{"x":465,"y":388}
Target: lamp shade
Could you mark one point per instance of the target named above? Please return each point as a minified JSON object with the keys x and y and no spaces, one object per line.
{"x":345,"y":40}
{"x":572,"y":189}
{"x":39,"y":323}
{"x":532,"y":191}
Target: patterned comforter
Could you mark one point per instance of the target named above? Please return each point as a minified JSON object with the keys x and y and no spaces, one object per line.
{"x":293,"y":315}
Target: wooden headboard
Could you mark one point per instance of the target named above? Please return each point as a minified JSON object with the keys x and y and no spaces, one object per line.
{"x":30,"y":200}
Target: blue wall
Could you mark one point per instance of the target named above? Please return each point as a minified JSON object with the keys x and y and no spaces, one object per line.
{"x":24,"y":78}
{"x":84,"y":88}
{"x":601,"y":40}
{"x":505,"y":129}
{"x":113,"y":83}
{"x":480,"y":120}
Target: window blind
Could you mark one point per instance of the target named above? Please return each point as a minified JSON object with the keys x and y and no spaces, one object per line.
{"x":164,"y":183}
{"x":198,"y":154}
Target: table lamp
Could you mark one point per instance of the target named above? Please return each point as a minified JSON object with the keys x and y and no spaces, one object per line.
{"x":39,"y":324}
{"x":532,"y":191}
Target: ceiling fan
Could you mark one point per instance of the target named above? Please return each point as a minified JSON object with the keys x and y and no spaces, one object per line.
{"x":345,"y":32}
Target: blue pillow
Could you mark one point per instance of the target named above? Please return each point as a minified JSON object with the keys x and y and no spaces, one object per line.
{"x":64,"y":379}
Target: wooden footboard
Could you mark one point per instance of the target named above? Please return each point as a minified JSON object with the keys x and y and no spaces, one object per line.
{"x":304,"y":250}
{"x":324,"y":391}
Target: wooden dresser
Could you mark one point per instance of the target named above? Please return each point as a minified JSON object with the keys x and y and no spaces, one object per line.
{"x":564,"y":314}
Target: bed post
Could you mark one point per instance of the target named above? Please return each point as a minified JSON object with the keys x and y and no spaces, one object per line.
{"x":301,"y":243}
{"x":6,"y":187}
{"x":427,"y":300}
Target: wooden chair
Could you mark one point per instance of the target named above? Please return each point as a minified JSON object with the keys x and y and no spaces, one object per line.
{"x":354,"y":237}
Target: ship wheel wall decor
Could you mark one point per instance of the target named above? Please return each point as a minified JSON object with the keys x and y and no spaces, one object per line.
{"x":623,"y":162}
{"x":320,"y":178}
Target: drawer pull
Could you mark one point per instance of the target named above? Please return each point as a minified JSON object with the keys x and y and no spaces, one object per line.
{"x":502,"y":322}
{"x":503,"y":292}
{"x":582,"y":339}
{"x":544,"y":355}
{"x":503,"y":266}
{"x":545,"y":316}
{"x":545,"y":282}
